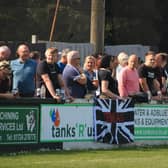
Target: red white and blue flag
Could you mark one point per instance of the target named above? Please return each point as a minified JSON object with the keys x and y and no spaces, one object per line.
{"x":114,"y":121}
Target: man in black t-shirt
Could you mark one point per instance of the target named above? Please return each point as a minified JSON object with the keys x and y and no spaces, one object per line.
{"x":49,"y":75}
{"x":147,"y":76}
{"x":160,"y":62}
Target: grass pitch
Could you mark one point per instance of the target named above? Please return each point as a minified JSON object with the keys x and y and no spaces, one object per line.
{"x":116,"y":158}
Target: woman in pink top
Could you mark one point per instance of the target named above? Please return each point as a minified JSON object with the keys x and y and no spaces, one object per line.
{"x":128,"y":82}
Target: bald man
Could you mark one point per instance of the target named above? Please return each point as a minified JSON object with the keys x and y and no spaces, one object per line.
{"x":128,"y":81}
{"x":4,"y":52}
{"x":24,"y":71}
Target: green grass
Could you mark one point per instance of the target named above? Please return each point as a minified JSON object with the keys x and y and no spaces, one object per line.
{"x":116,"y":158}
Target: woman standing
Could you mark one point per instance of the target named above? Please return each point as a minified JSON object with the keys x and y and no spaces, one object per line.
{"x":90,"y":72}
{"x":108,"y":85}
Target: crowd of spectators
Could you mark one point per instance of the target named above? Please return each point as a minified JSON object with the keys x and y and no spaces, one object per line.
{"x":102,"y":75}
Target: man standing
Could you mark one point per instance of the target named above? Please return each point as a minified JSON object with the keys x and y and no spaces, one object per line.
{"x":63,"y":61}
{"x":49,"y":75}
{"x":128,"y":81}
{"x":160,"y":62}
{"x":24,"y":71}
{"x":147,"y":76}
{"x":4,"y":52}
{"x":122,"y":62}
{"x":74,"y":77}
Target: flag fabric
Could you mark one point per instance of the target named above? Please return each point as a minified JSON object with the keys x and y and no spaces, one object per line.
{"x":114,"y":121}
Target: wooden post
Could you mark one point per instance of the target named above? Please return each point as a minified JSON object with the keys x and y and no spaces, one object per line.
{"x":54,"y":20}
{"x":97,"y":24}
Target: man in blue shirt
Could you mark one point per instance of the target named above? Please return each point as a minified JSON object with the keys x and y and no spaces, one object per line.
{"x":63,"y":61}
{"x":23,"y":71}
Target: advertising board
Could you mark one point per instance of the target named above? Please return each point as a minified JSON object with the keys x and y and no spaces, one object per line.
{"x":18,"y":125}
{"x":151,"y":122}
{"x":68,"y":122}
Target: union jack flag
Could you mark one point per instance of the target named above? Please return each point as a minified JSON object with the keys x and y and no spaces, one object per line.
{"x":114,"y":121}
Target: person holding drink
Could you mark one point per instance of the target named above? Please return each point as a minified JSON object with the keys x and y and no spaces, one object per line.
{"x":73,"y":75}
{"x":49,"y":76}
{"x":91,"y":74}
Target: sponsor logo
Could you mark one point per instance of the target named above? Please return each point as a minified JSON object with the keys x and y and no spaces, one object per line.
{"x":68,"y":130}
{"x":31,"y":121}
{"x":55,"y":117}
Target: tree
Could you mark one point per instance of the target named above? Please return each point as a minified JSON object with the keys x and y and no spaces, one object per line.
{"x":73,"y":21}
{"x":20,"y":19}
{"x":163,"y":24}
{"x":127,"y":21}
{"x":131,"y":22}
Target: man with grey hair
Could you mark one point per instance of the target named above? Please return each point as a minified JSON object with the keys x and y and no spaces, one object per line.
{"x":4,"y":52}
{"x":73,"y":75}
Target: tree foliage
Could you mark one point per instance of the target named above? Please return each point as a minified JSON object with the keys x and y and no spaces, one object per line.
{"x":133,"y":22}
{"x":127,"y":21}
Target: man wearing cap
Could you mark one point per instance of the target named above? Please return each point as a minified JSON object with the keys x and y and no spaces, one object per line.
{"x":73,"y":75}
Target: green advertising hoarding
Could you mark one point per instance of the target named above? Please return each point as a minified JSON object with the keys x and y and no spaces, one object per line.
{"x":19,"y":125}
{"x":151,"y":122}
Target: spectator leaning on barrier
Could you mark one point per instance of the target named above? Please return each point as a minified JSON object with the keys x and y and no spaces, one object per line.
{"x":122,"y":62}
{"x":108,"y":85}
{"x":23,"y":72}
{"x":128,"y":81}
{"x":73,"y":75}
{"x":147,"y":76}
{"x":48,"y":74}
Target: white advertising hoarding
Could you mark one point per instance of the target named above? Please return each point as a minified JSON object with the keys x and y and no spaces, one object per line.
{"x":68,"y":122}
{"x":151,"y":122}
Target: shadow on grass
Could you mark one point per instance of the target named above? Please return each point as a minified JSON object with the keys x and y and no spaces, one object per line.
{"x":49,"y":151}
